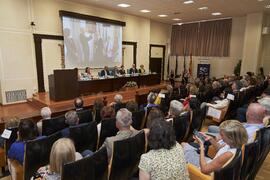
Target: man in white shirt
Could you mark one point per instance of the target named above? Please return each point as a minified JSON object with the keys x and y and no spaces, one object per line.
{"x":255,"y":115}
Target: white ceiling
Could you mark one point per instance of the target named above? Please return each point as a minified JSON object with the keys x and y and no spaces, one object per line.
{"x":186,"y":12}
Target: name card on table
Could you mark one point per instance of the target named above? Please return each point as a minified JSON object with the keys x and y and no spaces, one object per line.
{"x":161,"y":95}
{"x":215,"y":113}
{"x":230,"y":97}
{"x":6,"y":134}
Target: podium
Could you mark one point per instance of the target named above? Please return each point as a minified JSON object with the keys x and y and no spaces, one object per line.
{"x":63,"y":84}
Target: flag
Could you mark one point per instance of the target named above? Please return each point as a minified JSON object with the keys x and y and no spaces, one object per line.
{"x":190,"y":64}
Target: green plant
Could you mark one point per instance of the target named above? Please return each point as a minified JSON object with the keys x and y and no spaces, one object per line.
{"x":237,"y":68}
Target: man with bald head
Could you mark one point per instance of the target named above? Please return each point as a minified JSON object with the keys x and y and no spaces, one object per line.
{"x":123,"y":124}
{"x":255,"y":115}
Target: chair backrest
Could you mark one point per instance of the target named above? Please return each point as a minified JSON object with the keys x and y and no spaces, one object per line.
{"x":108,"y":129}
{"x":85,"y":116}
{"x":232,"y":170}
{"x":180,"y":125}
{"x":37,"y":154}
{"x":97,"y":116}
{"x":119,"y":106}
{"x":251,"y":152}
{"x":137,"y":119}
{"x":126,"y":156}
{"x":263,"y":136}
{"x":50,"y":126}
{"x":11,"y":139}
{"x":84,"y":136}
{"x":92,"y":167}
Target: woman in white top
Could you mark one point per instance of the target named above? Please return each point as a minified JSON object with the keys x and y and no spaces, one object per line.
{"x":232,"y":136}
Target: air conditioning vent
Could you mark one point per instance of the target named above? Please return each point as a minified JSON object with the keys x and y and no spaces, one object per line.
{"x":14,"y":96}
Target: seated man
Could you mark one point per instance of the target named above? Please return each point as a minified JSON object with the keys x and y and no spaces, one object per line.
{"x":117,"y":104}
{"x":72,"y":119}
{"x":255,"y":115}
{"x":78,"y":104}
{"x":151,"y":98}
{"x":45,"y":114}
{"x":105,"y":72}
{"x":176,"y":109}
{"x":133,"y":69}
{"x":123,"y":124}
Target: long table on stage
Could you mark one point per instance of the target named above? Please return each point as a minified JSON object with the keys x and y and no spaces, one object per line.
{"x":115,"y":84}
{"x":64,"y":85}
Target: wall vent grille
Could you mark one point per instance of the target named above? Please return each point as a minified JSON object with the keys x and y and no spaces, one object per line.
{"x":17,"y":95}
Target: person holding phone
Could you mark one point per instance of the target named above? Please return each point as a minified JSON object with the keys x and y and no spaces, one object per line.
{"x":232,"y":136}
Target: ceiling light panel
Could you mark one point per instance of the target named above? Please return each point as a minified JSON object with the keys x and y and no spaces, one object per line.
{"x":123,"y":5}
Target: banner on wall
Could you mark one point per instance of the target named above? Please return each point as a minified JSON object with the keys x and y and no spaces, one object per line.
{"x":203,"y":70}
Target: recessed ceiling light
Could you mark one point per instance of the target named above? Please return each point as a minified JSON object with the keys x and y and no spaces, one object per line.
{"x":179,"y":24}
{"x":176,"y":19}
{"x":203,"y":8}
{"x":267,"y":6}
{"x":123,"y":5}
{"x":145,"y":11}
{"x":162,"y":15}
{"x":216,"y":13}
{"x":188,"y":2}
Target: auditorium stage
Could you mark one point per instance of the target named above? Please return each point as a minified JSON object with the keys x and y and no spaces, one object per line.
{"x":32,"y":107}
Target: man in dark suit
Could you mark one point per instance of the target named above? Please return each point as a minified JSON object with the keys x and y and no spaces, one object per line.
{"x":133,"y":69}
{"x":105,"y":72}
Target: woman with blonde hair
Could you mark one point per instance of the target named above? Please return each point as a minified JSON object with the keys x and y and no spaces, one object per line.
{"x":232,"y":136}
{"x":62,"y":152}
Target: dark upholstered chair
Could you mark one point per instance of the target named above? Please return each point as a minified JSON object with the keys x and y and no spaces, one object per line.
{"x":85,"y":116}
{"x":96,"y":115}
{"x":137,"y":119}
{"x":232,"y":170}
{"x":108,"y":129}
{"x":84,"y":136}
{"x":263,"y":136}
{"x":50,"y":126}
{"x":250,"y":152}
{"x":92,"y":167}
{"x":126,"y":156}
{"x":11,"y":139}
{"x":180,"y":125}
{"x":37,"y":154}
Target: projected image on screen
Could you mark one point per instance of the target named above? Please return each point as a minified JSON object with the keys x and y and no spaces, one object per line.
{"x":92,"y":44}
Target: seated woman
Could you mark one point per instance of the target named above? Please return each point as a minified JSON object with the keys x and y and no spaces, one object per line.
{"x":233,"y":135}
{"x":27,"y":131}
{"x":62,"y":152}
{"x":107,"y":112}
{"x":165,"y":160}
{"x":87,"y":74}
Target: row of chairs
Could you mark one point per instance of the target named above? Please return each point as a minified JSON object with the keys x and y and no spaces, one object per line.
{"x":124,"y":162}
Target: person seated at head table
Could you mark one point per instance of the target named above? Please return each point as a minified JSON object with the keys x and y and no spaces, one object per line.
{"x":115,"y":71}
{"x":133,"y":69}
{"x":122,"y":70}
{"x":142,"y":70}
{"x":87,"y":73}
{"x":105,"y":72}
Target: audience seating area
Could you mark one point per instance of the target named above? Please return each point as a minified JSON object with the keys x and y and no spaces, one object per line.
{"x":126,"y":153}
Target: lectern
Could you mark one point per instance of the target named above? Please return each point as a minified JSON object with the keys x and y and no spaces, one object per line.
{"x":63,"y":84}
